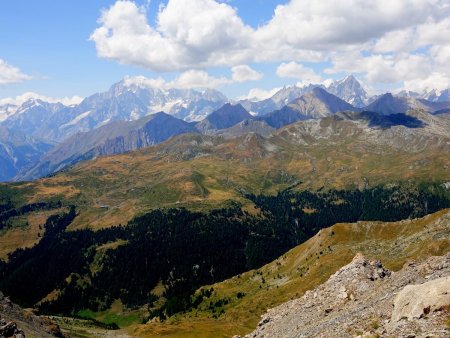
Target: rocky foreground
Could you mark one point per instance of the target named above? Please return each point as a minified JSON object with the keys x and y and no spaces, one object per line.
{"x":19,"y":323}
{"x":363,"y":299}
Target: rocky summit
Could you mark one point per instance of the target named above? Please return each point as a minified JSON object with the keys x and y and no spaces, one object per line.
{"x":364,"y":299}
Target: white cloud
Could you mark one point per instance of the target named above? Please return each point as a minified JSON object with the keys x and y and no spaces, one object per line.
{"x":258,"y":94}
{"x":245,"y":73}
{"x":10,"y":74}
{"x":142,"y":81}
{"x":298,"y":71}
{"x":384,"y":69}
{"x":434,"y":80}
{"x":204,"y":33}
{"x":195,"y":78}
{"x":189,"y":34}
{"x":339,"y":25}
{"x":383,"y":41}
{"x":18,"y":100}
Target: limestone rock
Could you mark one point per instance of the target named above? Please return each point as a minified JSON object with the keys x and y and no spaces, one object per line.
{"x":358,"y":301}
{"x":415,"y":301}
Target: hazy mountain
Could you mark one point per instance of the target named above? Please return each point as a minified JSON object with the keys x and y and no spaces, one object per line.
{"x":408,"y":93}
{"x":435,"y":95}
{"x":122,"y":136}
{"x":32,"y":116}
{"x":347,"y":89}
{"x":18,"y":151}
{"x":225,"y":117}
{"x":316,"y":104}
{"x":432,"y":95}
{"x":128,"y":100}
{"x":280,"y":99}
{"x":113,"y":138}
{"x":388,"y":104}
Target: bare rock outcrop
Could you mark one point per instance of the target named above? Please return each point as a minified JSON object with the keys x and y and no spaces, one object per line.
{"x":416,"y":301}
{"x":358,"y":301}
{"x":19,"y":323}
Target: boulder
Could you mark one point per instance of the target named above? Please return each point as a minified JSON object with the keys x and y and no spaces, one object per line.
{"x":416,"y":301}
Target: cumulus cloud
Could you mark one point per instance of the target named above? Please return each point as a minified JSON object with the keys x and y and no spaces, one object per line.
{"x":385,"y":41}
{"x":189,"y":34}
{"x":10,"y":74}
{"x":192,"y":78}
{"x":333,"y":25}
{"x":245,"y":73}
{"x":195,"y":78}
{"x":20,"y":99}
{"x":258,"y":94}
{"x":298,"y":71}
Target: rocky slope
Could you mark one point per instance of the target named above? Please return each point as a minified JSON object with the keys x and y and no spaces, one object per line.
{"x":314,"y":105}
{"x":364,"y":299}
{"x":305,"y":268}
{"x":19,"y":323}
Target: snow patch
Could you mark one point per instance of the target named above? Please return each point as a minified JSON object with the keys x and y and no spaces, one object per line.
{"x":76,"y":119}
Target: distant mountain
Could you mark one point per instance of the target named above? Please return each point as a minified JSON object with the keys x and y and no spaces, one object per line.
{"x":436,"y":95}
{"x":225,"y":117}
{"x":316,"y":104}
{"x":280,"y":99}
{"x":18,"y":151}
{"x":128,"y":100}
{"x":349,"y":90}
{"x":388,"y":104}
{"x":35,"y":117}
{"x":432,"y":95}
{"x":319,"y":103}
{"x":113,"y":138}
{"x":408,"y":93}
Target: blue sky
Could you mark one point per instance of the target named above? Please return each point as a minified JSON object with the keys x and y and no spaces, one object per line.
{"x":388,"y":46}
{"x":49,"y":40}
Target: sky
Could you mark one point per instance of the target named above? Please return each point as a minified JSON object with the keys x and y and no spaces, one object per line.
{"x":73,"y":48}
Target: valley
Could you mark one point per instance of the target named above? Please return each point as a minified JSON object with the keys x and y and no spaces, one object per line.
{"x":154,"y":225}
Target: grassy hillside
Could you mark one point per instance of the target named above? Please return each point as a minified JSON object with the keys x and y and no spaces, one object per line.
{"x":203,"y":173}
{"x":302,"y":268}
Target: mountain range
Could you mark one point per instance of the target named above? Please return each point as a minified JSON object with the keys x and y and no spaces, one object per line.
{"x":347,"y":89}
{"x":124,"y":119}
{"x":113,"y":138}
{"x":147,"y":220}
{"x":125,"y":101}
